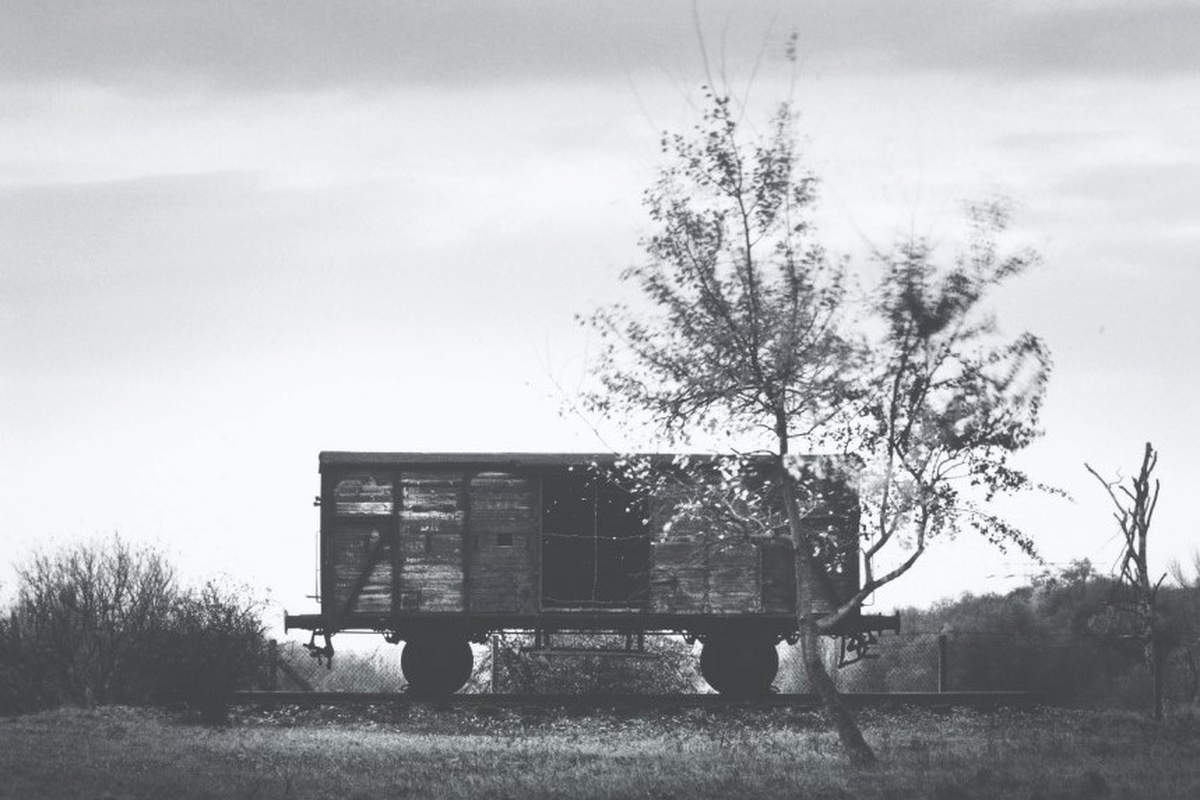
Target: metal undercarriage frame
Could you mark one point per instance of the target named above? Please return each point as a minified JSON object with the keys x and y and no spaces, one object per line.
{"x":858,"y":634}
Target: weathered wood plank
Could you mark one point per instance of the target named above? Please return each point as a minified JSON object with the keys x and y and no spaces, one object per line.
{"x":364,"y":509}
{"x":431,"y":534}
{"x":502,"y":580}
{"x":363,"y":495}
{"x":440,"y":585}
{"x":503,"y":509}
{"x":706,"y":578}
{"x":354,"y":542}
{"x":430,"y":493}
{"x":679,"y":578}
{"x":376,"y":594}
{"x":733,"y":579}
{"x":778,"y":575}
{"x":438,"y":538}
{"x":502,"y":503}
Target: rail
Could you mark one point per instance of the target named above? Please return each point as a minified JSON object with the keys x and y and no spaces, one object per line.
{"x":978,"y":700}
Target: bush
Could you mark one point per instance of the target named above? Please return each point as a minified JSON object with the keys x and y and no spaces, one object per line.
{"x":107,"y":623}
{"x":1061,"y":636}
{"x":78,"y":616}
{"x":20,"y":688}
{"x":209,"y":644}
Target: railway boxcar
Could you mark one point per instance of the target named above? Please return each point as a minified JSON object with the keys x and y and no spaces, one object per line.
{"x":441,"y":549}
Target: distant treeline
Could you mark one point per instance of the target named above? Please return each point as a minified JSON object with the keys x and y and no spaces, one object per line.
{"x":1069,"y":636}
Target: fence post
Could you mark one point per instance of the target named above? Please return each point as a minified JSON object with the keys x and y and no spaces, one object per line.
{"x":273,"y":665}
{"x":495,"y":654}
{"x":942,"y":667}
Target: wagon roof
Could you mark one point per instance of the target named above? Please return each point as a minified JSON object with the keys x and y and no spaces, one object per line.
{"x":510,"y":460}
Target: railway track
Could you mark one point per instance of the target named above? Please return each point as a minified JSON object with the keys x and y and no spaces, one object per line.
{"x":978,"y":700}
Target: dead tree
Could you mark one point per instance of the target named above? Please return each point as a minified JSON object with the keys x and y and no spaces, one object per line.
{"x":1137,"y":593}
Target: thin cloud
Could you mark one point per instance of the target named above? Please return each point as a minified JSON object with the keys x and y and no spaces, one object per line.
{"x":1131,"y":199}
{"x":1132,"y":39}
{"x":312,"y":44}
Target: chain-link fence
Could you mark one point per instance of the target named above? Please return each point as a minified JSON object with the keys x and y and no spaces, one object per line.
{"x":904,"y":663}
{"x":1062,"y":669}
{"x":291,"y":667}
{"x":508,"y":664}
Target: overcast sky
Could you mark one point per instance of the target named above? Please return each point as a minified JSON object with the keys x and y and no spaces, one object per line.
{"x":236,"y":234}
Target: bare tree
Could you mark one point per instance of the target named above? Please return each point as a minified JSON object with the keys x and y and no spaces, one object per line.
{"x":106,"y":622}
{"x":1137,"y":599}
{"x":81,"y":612}
{"x":746,"y":334}
{"x":1179,"y":572}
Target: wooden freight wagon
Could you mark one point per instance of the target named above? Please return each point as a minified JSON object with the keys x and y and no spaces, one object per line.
{"x":441,"y":549}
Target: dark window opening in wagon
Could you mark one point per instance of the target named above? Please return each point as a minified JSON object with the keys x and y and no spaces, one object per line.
{"x":504,"y":540}
{"x":595,"y":544}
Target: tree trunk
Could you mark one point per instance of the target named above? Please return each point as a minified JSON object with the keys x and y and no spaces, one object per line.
{"x":1157,"y":659}
{"x":836,"y":713}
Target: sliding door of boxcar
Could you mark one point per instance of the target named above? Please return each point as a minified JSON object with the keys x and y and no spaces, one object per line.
{"x":503,"y":521}
{"x":431,"y":520}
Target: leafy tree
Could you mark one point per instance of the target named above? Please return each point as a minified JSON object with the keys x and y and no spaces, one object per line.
{"x":747,"y":334}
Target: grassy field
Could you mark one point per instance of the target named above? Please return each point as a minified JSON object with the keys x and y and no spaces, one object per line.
{"x":386,"y":752}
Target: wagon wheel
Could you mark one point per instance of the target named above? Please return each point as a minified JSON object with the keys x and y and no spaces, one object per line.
{"x":739,"y":665}
{"x":436,"y":665}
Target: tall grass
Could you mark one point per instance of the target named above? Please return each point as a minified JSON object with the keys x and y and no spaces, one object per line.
{"x":694,"y":754}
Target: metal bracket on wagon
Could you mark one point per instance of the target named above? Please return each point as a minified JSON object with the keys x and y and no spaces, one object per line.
{"x":322,"y":653}
{"x":857,"y":624}
{"x":856,"y":647}
{"x":856,"y":641}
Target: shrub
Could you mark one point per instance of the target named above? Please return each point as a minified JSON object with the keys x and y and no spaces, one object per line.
{"x":107,"y":623}
{"x":209,"y":643}
{"x":78,"y":616}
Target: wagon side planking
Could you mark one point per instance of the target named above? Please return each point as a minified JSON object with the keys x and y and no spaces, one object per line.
{"x":441,"y":549}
